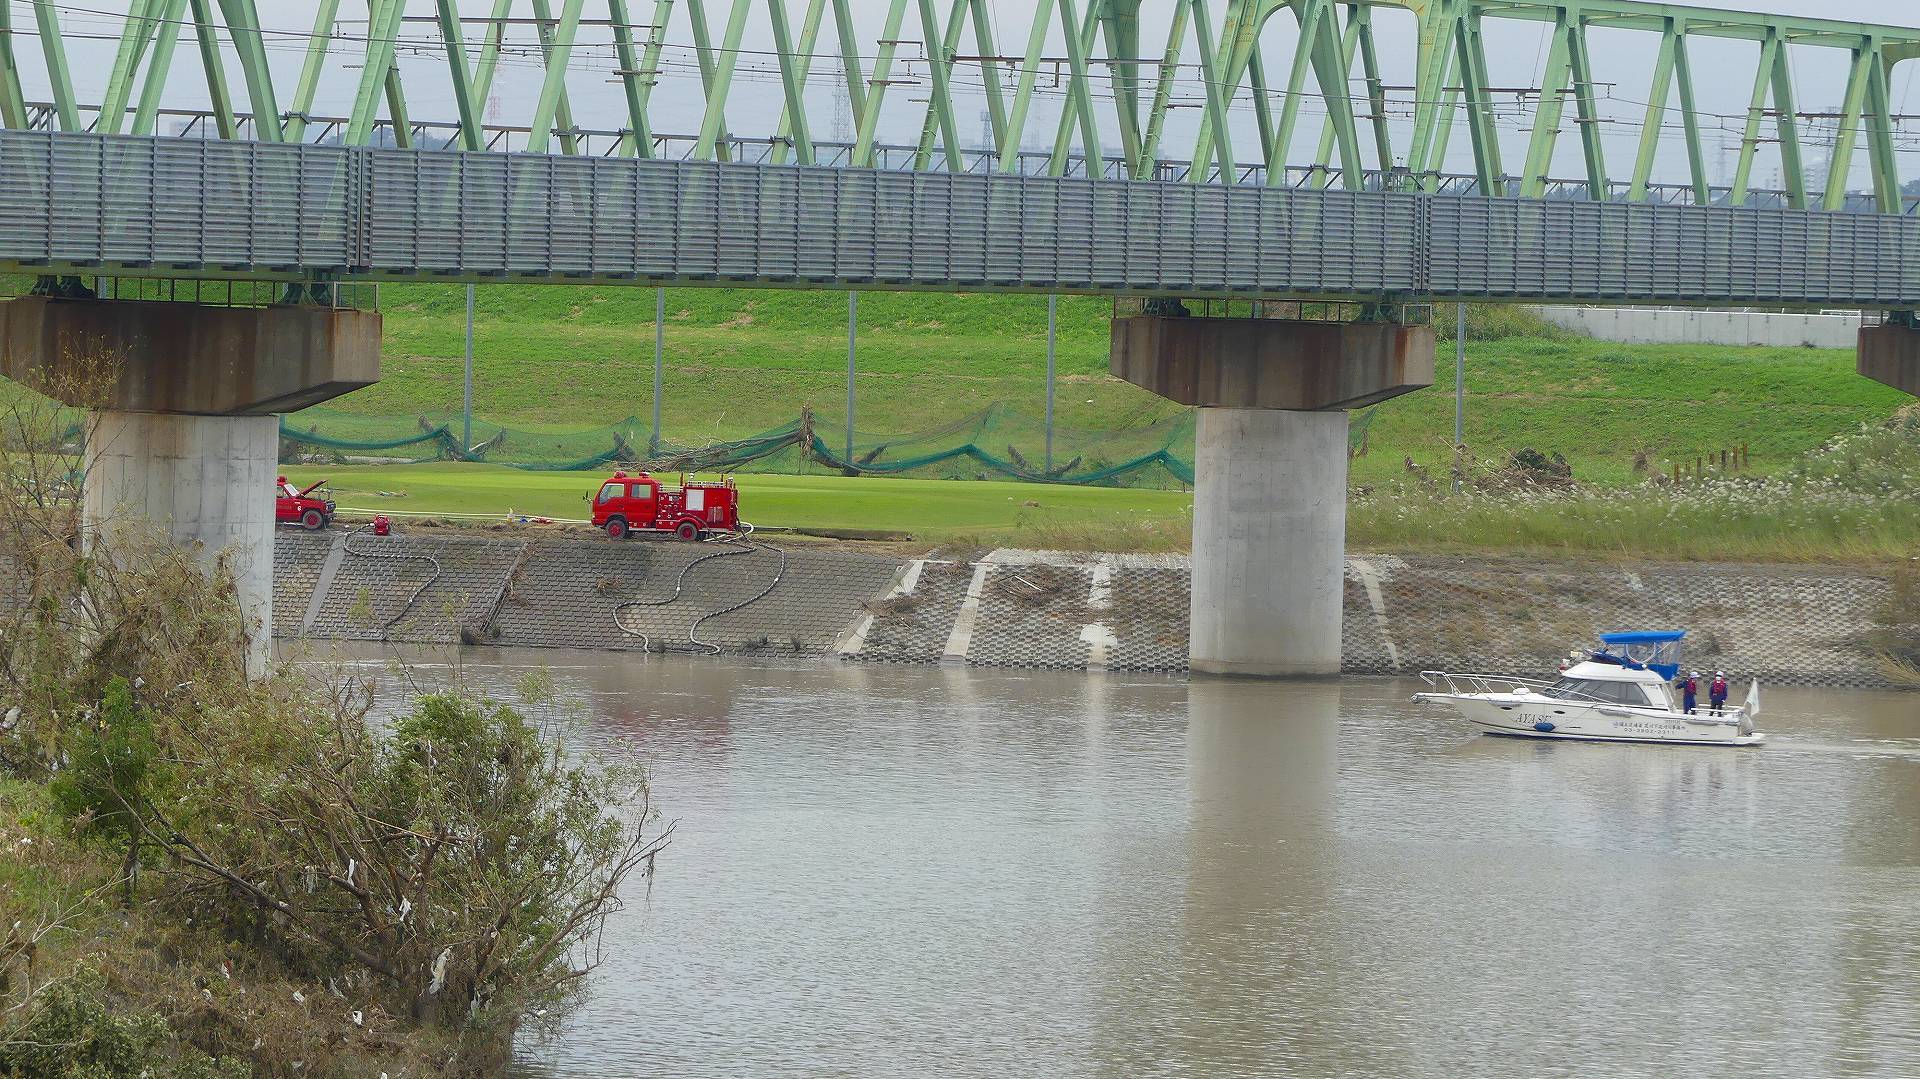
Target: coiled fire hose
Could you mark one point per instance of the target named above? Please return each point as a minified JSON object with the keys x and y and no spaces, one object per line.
{"x":407,"y":607}
{"x":731,"y":549}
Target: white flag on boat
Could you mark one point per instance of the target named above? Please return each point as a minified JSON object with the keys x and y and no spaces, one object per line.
{"x":1753,"y":699}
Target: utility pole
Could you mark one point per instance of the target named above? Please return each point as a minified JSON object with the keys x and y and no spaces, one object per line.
{"x":853,"y":323}
{"x":1053,"y":306}
{"x":466,"y":410}
{"x":1459,"y":387}
{"x":659,"y":334}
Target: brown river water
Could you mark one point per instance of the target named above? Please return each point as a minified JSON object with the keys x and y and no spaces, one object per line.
{"x":917,"y":871}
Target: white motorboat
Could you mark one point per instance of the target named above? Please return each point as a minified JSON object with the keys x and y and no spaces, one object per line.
{"x":1611,"y":696}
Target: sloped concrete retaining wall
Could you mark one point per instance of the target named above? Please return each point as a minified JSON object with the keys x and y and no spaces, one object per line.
{"x":1793,"y":625}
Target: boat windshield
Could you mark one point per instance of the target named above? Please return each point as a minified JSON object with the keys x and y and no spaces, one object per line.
{"x":1589,"y":689}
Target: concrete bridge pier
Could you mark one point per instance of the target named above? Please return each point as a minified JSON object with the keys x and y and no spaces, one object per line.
{"x":184,"y":441}
{"x":1270,"y":471}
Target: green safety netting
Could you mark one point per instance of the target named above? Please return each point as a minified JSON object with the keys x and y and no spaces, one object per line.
{"x":996,"y":443}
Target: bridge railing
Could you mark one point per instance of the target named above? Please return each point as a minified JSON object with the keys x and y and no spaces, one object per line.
{"x":1617,"y":252}
{"x":126,"y":204}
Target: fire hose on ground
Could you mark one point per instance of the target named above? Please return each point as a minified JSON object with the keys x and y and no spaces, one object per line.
{"x":732,"y":548}
{"x":421,"y":590}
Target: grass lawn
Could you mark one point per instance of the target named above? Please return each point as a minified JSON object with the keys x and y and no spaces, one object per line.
{"x":557,"y":357}
{"x":929,"y":509}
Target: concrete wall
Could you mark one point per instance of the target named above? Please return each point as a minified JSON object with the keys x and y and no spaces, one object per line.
{"x":1786,"y":625}
{"x":1677,"y":326}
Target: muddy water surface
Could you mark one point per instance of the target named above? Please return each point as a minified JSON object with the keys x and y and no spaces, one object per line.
{"x":913,"y":871}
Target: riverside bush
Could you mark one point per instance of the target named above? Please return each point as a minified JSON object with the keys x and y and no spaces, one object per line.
{"x":438,"y":886}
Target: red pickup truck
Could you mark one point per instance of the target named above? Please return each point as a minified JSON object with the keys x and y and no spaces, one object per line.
{"x":294,"y":506}
{"x":636,"y":502}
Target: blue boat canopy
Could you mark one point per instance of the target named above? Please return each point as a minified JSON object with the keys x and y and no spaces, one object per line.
{"x":1644,"y":636}
{"x":1647,"y":649}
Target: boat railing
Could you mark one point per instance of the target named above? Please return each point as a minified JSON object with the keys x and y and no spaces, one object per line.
{"x":1457,"y":683}
{"x":1454,"y":683}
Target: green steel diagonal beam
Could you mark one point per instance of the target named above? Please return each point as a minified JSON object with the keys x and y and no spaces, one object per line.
{"x":939,"y":120}
{"x":471,"y":137}
{"x":303,"y":91}
{"x":989,"y":68}
{"x":1215,"y":141}
{"x":1079,"y":93}
{"x":1865,"y":57}
{"x":794,"y":66}
{"x":629,"y":62}
{"x":1009,"y":146}
{"x":1163,"y":92}
{"x":1756,"y":108}
{"x":1443,"y":135}
{"x":1435,"y":152}
{"x":165,"y":36}
{"x":243,"y":26}
{"x":553,"y":87}
{"x":1546,"y":116}
{"x":13,"y":102}
{"x":1330,"y":67}
{"x":207,"y":30}
{"x":1689,"y":117}
{"x":383,"y":29}
{"x":134,"y":36}
{"x":1120,"y":26}
{"x":1470,"y":60}
{"x":1793,"y":170}
{"x":1239,"y":39}
{"x":1886,"y":167}
{"x":553,"y":46}
{"x":1310,"y":14}
{"x":397,"y":105}
{"x":1349,"y":47}
{"x":809,"y":34}
{"x":1483,"y":107}
{"x":716,"y":76}
{"x":1437,"y":27}
{"x":844,"y":28}
{"x":1650,"y":128}
{"x":1580,"y":68}
{"x":869,"y":114}
{"x":656,"y":40}
{"x":55,"y":51}
{"x":1262,"y":96}
{"x":1376,"y":86}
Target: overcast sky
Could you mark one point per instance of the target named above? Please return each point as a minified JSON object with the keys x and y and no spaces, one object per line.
{"x":1723,"y":74}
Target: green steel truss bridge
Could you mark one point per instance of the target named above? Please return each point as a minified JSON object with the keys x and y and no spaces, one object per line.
{"x":1095,"y":200}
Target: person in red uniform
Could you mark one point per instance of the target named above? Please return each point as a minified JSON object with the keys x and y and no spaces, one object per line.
{"x":1690,"y":691}
{"x":1717,"y":692}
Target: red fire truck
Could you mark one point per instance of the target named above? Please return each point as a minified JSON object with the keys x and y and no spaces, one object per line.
{"x":294,"y":506}
{"x":636,"y":502}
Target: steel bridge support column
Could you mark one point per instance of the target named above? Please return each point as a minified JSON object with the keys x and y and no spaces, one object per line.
{"x":184,"y":442}
{"x":1270,"y":472}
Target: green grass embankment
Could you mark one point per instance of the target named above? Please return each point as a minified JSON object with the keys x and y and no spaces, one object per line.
{"x":931,"y":510}
{"x":741,"y":361}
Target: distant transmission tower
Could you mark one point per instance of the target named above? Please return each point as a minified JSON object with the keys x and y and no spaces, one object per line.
{"x":842,"y":112}
{"x":986,"y":130}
